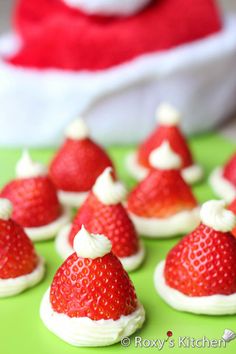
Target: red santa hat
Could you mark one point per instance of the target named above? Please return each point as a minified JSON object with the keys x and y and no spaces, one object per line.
{"x":70,"y":57}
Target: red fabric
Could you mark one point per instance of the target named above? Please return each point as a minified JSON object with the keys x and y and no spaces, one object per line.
{"x":57,"y":36}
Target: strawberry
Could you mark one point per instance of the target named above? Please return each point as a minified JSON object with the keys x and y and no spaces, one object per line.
{"x":229,"y":171}
{"x":232,"y":207}
{"x":176,"y":140}
{"x":110,"y":220}
{"x":34,"y":200}
{"x":203,"y":263}
{"x":77,"y":165}
{"x":17,"y":255}
{"x":162,"y":194}
{"x":97,"y":288}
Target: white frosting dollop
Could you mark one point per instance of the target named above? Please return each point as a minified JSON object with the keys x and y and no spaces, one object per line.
{"x":27,"y":168}
{"x":214,"y":214}
{"x":108,"y":7}
{"x":208,"y":305}
{"x":181,"y":223}
{"x":13,"y":286}
{"x":164,"y":158}
{"x":77,"y":130}
{"x":166,"y":114}
{"x":5,"y":209}
{"x":85,"y":332}
{"x":92,"y":246}
{"x":107,"y":190}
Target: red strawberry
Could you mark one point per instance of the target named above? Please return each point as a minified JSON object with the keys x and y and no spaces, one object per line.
{"x":110,"y":220}
{"x":17,"y":255}
{"x":34,"y":200}
{"x":162,"y":194}
{"x":176,"y":140}
{"x":229,"y":171}
{"x":203,"y":263}
{"x":77,"y":165}
{"x":232,"y":207}
{"x":96,"y":288}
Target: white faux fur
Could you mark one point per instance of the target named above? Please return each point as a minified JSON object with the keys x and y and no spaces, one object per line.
{"x":198,"y":78}
{"x":108,"y":7}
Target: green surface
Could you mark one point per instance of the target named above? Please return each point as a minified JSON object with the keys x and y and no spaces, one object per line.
{"x":21,"y":330}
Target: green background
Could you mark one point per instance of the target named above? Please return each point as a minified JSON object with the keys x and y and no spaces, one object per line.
{"x":21,"y":330}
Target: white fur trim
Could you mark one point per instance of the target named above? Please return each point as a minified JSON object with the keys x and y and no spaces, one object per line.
{"x":108,"y":7}
{"x":203,"y":65}
{"x":64,"y":250}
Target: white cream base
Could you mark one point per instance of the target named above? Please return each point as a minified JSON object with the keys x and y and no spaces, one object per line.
{"x":207,"y":305}
{"x":191,"y":174}
{"x":64,"y":249}
{"x":48,"y":231}
{"x":72,"y":199}
{"x":180,"y":223}
{"x":13,"y":286}
{"x":84,"y":332}
{"x":221,"y":186}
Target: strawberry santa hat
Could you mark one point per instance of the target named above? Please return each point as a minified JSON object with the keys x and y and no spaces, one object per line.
{"x":232,"y":207}
{"x":223,"y":180}
{"x":103,"y":212}
{"x":199,"y":273}
{"x":77,"y":164}
{"x":34,"y":198}
{"x":20,"y":266}
{"x":163,"y":205}
{"x":168,"y":129}
{"x":154,"y":49}
{"x":91,"y":301}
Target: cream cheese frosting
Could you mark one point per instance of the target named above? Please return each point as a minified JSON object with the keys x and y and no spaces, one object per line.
{"x":92,"y":246}
{"x":64,"y":249}
{"x":109,"y":7}
{"x":48,"y":231}
{"x":190,"y":174}
{"x":208,"y":305}
{"x":13,"y":286}
{"x":84,"y":332}
{"x":182,"y":222}
{"x":166,"y":114}
{"x":71,"y":199}
{"x":27,"y":168}
{"x":5,"y":209}
{"x":164,"y":158}
{"x":214,"y":214}
{"x":107,"y":190}
{"x":77,"y":130}
{"x":221,"y":186}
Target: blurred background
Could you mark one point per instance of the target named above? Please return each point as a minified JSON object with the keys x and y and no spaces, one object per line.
{"x":104,"y":127}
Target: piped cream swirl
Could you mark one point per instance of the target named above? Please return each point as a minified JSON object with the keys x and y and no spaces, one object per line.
{"x":107,"y":190}
{"x":92,"y":246}
{"x":164,"y":158}
{"x":214,"y":214}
